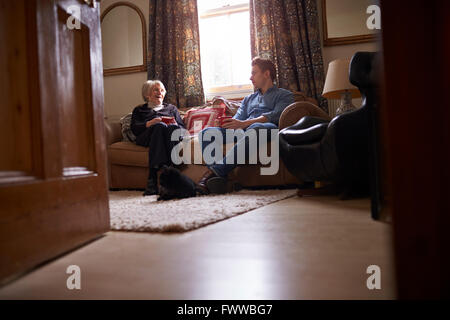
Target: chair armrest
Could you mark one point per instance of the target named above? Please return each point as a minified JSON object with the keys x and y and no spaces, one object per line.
{"x":297,"y":110}
{"x":304,"y":136}
{"x":113,"y":132}
{"x":306,"y":122}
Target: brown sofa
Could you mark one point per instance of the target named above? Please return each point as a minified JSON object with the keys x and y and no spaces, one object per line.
{"x":128,"y":162}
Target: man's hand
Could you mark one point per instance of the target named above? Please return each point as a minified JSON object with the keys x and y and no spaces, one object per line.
{"x":239,"y":124}
{"x":152,"y":122}
{"x":234,"y":124}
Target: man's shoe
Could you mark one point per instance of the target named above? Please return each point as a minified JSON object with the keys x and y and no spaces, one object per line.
{"x":217,"y":185}
{"x":201,"y":184}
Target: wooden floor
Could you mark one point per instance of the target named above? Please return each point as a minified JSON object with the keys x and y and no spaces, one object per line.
{"x":298,"y":248}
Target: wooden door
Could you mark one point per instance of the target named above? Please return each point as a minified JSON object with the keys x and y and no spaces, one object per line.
{"x":53,"y":182}
{"x":415,"y":117}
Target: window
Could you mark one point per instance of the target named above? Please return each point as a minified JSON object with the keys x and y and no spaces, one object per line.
{"x":225,"y":47}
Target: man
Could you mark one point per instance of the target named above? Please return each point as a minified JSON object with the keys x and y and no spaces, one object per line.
{"x":260,"y":110}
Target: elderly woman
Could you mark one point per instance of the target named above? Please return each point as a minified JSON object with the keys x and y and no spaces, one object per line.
{"x":147,"y":124}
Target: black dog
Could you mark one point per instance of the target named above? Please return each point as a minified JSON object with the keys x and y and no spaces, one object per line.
{"x":175,"y":185}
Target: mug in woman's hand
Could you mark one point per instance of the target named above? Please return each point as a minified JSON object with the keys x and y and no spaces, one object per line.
{"x":168,"y":120}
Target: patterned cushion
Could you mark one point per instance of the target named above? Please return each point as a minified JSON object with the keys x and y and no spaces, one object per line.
{"x":231,"y":105}
{"x":127,"y":134}
{"x":197,"y":119}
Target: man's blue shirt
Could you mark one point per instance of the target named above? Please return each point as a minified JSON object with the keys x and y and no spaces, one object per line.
{"x":270,"y":104}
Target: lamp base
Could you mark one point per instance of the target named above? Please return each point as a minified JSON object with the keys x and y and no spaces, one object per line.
{"x":346,"y":103}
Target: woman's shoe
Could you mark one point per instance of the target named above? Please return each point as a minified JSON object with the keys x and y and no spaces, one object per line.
{"x":152,"y":183}
{"x":152,"y":188}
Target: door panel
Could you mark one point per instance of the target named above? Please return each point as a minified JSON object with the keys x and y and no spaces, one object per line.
{"x":53,"y":187}
{"x":15,"y":121}
{"x":75,"y":109}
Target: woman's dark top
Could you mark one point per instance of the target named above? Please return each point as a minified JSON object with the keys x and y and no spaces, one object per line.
{"x":142,"y":114}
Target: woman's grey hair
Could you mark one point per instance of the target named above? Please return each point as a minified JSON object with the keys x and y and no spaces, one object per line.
{"x":148,"y":85}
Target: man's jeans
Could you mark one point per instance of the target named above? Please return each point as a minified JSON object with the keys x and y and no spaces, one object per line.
{"x":230,"y":159}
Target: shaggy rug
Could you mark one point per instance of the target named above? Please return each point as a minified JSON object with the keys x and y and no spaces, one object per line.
{"x":130,"y":211}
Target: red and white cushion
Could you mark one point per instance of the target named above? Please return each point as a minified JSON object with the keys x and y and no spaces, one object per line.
{"x":199,"y":119}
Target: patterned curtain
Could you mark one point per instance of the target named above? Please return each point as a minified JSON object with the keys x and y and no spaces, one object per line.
{"x":174,"y":51}
{"x":287,"y":32}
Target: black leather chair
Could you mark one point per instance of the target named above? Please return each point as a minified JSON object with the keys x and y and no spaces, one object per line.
{"x":339,"y":150}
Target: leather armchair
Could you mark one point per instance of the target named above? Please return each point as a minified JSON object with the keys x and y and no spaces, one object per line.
{"x":314,"y":149}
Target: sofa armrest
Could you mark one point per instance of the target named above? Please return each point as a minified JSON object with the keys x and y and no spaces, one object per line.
{"x":300,"y":96}
{"x":113,"y":132}
{"x":297,"y":110}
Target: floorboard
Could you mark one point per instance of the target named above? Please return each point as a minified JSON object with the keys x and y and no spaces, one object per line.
{"x":298,"y":248}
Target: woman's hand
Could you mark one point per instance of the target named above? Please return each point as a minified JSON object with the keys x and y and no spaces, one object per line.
{"x":152,"y":122}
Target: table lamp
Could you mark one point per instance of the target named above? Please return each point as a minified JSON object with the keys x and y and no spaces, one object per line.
{"x":338,"y":86}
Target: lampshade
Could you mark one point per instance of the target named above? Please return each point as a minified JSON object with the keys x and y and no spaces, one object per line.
{"x":337,"y":80}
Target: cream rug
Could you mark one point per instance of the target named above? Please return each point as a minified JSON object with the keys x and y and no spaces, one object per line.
{"x":130,"y":211}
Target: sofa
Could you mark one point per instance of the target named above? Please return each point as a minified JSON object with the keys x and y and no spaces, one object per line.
{"x":128,"y":162}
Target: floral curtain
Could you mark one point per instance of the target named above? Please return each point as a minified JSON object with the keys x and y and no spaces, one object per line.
{"x":287,"y":32}
{"x":174,"y":50}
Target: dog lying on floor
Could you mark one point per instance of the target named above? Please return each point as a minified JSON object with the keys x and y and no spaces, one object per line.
{"x":175,"y":185}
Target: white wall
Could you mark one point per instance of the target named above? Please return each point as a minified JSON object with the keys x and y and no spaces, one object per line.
{"x":123,"y":92}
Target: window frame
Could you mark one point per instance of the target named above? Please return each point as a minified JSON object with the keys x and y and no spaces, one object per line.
{"x":225,"y":10}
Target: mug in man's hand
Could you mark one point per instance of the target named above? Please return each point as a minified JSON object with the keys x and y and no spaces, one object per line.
{"x":222,"y":119}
